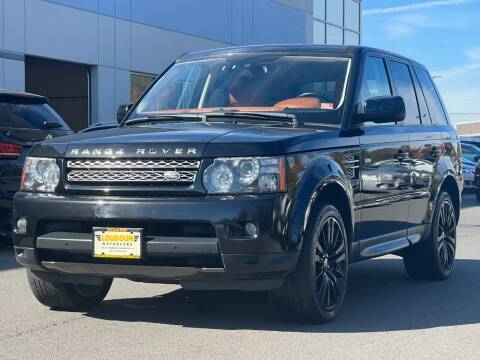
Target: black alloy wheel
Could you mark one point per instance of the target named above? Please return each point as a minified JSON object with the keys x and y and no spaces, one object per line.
{"x":446,"y":236}
{"x":315,"y":291}
{"x":330,"y":264}
{"x":433,"y":258}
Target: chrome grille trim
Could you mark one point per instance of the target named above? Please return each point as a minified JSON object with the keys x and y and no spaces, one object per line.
{"x":127,"y":171}
{"x":128,"y":176}
{"x":133,"y":164}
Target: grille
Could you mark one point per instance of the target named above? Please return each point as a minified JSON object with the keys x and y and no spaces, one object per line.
{"x":132,"y":171}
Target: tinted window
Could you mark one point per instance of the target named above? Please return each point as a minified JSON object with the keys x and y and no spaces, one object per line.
{"x":433,"y":101}
{"x":375,"y":79}
{"x":404,"y":86}
{"x":29,"y":116}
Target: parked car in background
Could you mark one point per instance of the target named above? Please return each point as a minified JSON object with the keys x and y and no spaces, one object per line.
{"x":470,"y":157}
{"x":25,"y":119}
{"x":476,"y":181}
{"x":473,"y":140}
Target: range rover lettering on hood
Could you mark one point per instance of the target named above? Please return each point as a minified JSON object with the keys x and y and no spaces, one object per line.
{"x":132,"y":151}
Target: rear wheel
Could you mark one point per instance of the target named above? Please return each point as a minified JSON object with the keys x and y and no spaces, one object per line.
{"x":315,"y":291}
{"x":433,"y":258}
{"x":66,"y":296}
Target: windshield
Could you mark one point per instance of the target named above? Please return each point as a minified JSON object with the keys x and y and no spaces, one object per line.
{"x":250,"y":83}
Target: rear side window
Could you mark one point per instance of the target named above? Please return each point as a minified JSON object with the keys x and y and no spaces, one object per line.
{"x":28,"y":115}
{"x":433,"y":100}
{"x":375,"y":79}
{"x":402,"y":79}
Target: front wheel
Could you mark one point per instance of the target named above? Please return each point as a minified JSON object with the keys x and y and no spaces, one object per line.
{"x":433,"y":258}
{"x":66,"y":296}
{"x":315,"y":291}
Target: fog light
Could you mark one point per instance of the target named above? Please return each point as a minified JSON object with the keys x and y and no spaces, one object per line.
{"x":251,"y":229}
{"x":21,"y":227}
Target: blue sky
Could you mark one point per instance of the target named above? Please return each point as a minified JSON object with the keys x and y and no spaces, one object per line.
{"x":444,"y":35}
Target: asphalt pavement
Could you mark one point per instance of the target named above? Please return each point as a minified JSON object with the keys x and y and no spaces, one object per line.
{"x":386,"y":316}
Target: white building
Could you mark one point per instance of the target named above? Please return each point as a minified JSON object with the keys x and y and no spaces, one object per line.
{"x":89,"y":56}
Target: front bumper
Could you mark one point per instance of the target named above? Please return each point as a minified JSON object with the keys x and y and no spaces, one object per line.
{"x":59,"y":240}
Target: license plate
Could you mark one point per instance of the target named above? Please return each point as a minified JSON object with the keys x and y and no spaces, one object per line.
{"x":117,"y":243}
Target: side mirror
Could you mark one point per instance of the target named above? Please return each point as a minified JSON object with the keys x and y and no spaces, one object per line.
{"x":382,"y":109}
{"x":123,"y":110}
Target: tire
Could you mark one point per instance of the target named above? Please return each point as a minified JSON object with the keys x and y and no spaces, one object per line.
{"x":67,"y":296}
{"x":434,"y":257}
{"x":315,"y":291}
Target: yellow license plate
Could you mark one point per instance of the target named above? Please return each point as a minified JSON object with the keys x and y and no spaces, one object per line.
{"x":117,"y":243}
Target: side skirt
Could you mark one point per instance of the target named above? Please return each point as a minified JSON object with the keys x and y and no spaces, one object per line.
{"x":388,"y":243}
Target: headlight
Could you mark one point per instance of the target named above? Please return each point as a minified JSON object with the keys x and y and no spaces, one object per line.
{"x":40,"y":175}
{"x":245,"y":175}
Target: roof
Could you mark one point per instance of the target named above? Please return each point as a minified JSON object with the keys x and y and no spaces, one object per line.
{"x":12,"y":94}
{"x":291,"y":49}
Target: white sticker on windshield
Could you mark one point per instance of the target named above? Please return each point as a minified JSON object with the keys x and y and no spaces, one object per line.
{"x":326,"y":106}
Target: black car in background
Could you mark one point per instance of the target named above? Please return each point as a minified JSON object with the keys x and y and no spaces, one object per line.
{"x":251,"y":168}
{"x":25,"y":119}
{"x":470,"y":158}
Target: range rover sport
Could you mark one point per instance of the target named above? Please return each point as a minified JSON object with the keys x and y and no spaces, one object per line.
{"x":250,"y":168}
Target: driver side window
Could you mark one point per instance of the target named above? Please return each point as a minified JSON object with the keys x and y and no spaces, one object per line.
{"x":375,"y":80}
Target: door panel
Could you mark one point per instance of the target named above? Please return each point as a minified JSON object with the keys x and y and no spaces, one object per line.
{"x":385,"y":181}
{"x":426,"y":151}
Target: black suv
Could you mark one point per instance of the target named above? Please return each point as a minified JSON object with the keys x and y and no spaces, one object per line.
{"x":251,"y":168}
{"x":24,"y":120}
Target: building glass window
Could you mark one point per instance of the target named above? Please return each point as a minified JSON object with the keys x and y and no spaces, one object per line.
{"x":139,"y":83}
{"x":319,"y":9}
{"x":352,"y":15}
{"x":318,"y":32}
{"x":334,"y":35}
{"x":335,"y":12}
{"x":351,"y":38}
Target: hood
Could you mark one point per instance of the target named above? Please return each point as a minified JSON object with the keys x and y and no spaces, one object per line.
{"x":188,"y":139}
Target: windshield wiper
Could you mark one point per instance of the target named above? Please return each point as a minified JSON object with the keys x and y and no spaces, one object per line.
{"x":158,"y":118}
{"x":250,"y":115}
{"x":51,"y":125}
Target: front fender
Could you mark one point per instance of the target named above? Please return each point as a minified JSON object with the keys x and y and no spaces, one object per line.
{"x":307,"y":177}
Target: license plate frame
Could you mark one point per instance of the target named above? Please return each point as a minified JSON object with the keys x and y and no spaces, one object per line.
{"x":117,"y":249}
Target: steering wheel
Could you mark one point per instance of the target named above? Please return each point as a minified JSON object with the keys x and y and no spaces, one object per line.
{"x":315,"y":95}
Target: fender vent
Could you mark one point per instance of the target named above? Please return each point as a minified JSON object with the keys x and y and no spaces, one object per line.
{"x":351,"y":164}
